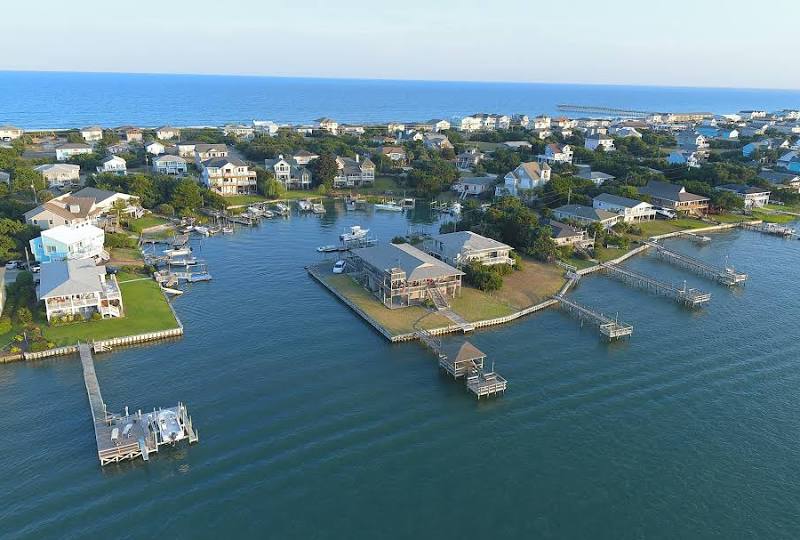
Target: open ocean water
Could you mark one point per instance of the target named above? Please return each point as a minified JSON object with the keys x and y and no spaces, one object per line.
{"x":54,"y":100}
{"x":313,"y":426}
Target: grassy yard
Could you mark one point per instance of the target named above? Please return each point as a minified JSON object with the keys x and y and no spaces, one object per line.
{"x":125,"y":257}
{"x":237,"y":200}
{"x":474,"y":305}
{"x":145,"y":222}
{"x":396,"y":321}
{"x":146,"y":310}
{"x":660,"y":226}
{"x":772,"y":218}
{"x":533,"y":284}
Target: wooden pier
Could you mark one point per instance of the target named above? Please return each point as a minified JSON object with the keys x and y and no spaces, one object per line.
{"x":770,"y":228}
{"x":686,"y":296}
{"x":721,"y":274}
{"x":128,"y":436}
{"x":610,"y":328}
{"x":467,"y":361}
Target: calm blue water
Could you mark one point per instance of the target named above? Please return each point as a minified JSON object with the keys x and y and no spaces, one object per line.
{"x":313,"y":426}
{"x":50,"y":100}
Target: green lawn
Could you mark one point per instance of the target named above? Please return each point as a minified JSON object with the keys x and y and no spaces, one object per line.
{"x":533,"y":284}
{"x":773,"y":218}
{"x":146,"y":310}
{"x":662,"y":226}
{"x":237,"y":200}
{"x":395,"y":321}
{"x":138,"y":225}
{"x":475,"y":305}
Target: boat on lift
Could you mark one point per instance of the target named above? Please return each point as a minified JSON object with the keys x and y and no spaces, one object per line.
{"x":353,"y":234}
{"x":304,"y":205}
{"x":318,"y":208}
{"x":390,"y":206}
{"x":282,"y":209}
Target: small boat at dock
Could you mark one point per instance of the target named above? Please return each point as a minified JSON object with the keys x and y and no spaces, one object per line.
{"x":178,"y":252}
{"x":318,"y":208}
{"x":390,"y":206}
{"x":201,"y":230}
{"x":353,"y":234}
{"x":170,"y":290}
{"x":282,"y":209}
{"x":228,"y":229}
{"x":304,"y":205}
{"x":330,"y":248}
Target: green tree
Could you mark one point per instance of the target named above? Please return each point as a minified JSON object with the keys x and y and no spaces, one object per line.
{"x":324,"y":170}
{"x":187,"y":196}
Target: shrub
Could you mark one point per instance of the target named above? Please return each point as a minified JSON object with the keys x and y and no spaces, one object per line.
{"x":5,"y":325}
{"x":24,"y":315}
{"x":96,"y":316}
{"x":399,"y":240}
{"x":166,"y":210}
{"x":482,"y":277}
{"x":118,"y":240}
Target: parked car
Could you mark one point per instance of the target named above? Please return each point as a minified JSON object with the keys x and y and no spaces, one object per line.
{"x":35,"y":267}
{"x":338,"y":268}
{"x":13,"y":265}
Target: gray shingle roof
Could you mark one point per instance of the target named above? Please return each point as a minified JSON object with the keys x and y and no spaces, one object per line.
{"x":61,"y":278}
{"x":416,"y":264}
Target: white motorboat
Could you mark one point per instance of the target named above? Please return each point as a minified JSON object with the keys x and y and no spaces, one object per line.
{"x":317,"y":208}
{"x":282,"y":210}
{"x":389,"y":207}
{"x":202,"y":230}
{"x":178,"y":252}
{"x":304,"y":205}
{"x":169,"y":426}
{"x":228,"y":229}
{"x":328,"y":249}
{"x":354,"y":233}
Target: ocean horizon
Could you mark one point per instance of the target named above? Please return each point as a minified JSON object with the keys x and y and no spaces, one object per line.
{"x":53,"y":99}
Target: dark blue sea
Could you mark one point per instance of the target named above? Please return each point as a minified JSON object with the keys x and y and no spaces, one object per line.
{"x":313,"y":426}
{"x":51,"y":100}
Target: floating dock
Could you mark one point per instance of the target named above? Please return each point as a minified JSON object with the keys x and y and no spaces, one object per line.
{"x":466,"y":361}
{"x":686,"y":296}
{"x":721,"y":274}
{"x":610,"y":328}
{"x":128,"y":436}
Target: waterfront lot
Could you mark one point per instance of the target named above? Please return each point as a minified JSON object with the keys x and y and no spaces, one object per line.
{"x":146,"y":310}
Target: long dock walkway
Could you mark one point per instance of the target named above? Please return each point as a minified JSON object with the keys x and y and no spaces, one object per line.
{"x":128,"y":436}
{"x":610,"y":328}
{"x":721,"y":274}
{"x":467,"y":361}
{"x":684,"y":295}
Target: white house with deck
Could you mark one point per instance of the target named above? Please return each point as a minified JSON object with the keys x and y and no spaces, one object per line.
{"x":67,"y":150}
{"x":113,"y":165}
{"x":169,"y":164}
{"x":464,"y":247}
{"x":630,"y":209}
{"x":79,"y":288}
{"x":59,"y":174}
{"x":525,"y":177}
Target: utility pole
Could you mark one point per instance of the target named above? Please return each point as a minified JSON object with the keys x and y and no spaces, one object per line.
{"x":569,"y":194}
{"x":35,"y":198}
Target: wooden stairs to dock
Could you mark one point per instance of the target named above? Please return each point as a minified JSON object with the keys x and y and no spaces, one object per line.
{"x":438,"y":298}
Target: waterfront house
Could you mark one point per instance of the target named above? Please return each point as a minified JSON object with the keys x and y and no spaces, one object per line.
{"x":228,"y":176}
{"x":781,"y":180}
{"x":468,"y":159}
{"x":327,"y":124}
{"x":113,"y":165}
{"x":203,"y":152}
{"x":465,"y":247}
{"x":599,"y":140}
{"x":65,"y":242}
{"x":64,"y":210}
{"x":354,"y":172}
{"x":166,"y":133}
{"x":753,"y":197}
{"x":304,"y":157}
{"x":185,"y":149}
{"x":78,"y":287}
{"x":401,"y":275}
{"x":289,"y":172}
{"x":598,"y":178}
{"x":239,"y":131}
{"x":10,"y":133}
{"x":525,"y":177}
{"x":436,"y":141}
{"x":556,"y":153}
{"x":683,"y":157}
{"x":92,"y":133}
{"x":396,"y":154}
{"x":520,"y":120}
{"x":104,"y":199}
{"x":564,"y":234}
{"x":130,"y":134}
{"x":169,"y":164}
{"x":154,"y":148}
{"x":587,"y":215}
{"x":630,"y":209}
{"x":67,"y":150}
{"x":118,"y":148}
{"x":691,"y":140}
{"x":674,"y":197}
{"x":624,"y":132}
{"x":59,"y":174}
{"x":471,"y":123}
{"x":475,"y":185}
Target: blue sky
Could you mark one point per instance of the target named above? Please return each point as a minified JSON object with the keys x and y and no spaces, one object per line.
{"x":731,"y":43}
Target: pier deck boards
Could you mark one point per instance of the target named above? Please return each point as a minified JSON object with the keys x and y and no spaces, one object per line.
{"x":126,"y":436}
{"x":721,"y":274}
{"x":686,"y":296}
{"x":608,"y":327}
